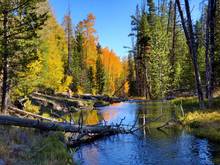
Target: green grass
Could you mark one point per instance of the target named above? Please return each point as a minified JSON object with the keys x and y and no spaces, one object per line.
{"x":192,"y":103}
{"x":203,"y":123}
{"x":202,"y":117}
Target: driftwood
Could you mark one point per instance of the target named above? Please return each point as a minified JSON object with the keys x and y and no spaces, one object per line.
{"x":80,"y":134}
{"x":169,"y":123}
{"x":85,"y":138}
{"x":25,"y":113}
{"x":58,"y":126}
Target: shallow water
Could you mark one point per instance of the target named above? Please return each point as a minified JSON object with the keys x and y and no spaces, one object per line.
{"x":149,"y":146}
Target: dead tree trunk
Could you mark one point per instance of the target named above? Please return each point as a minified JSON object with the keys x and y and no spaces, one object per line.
{"x":207,"y":60}
{"x":56,"y":126}
{"x":5,"y":83}
{"x":212,"y":46}
{"x":171,"y":28}
{"x":189,"y":33}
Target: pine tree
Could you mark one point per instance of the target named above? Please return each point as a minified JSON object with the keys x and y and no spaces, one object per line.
{"x":143,"y":51}
{"x":19,"y":24}
{"x":131,"y":76}
{"x":79,"y":60}
{"x":189,"y":33}
{"x":216,"y":65}
{"x":68,"y":27}
{"x":100,"y":73}
{"x":151,"y":12}
{"x":91,"y":78}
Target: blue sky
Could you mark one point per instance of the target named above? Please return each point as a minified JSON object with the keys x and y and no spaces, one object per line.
{"x":112,"y":18}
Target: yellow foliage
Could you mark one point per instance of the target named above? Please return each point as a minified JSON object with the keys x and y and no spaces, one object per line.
{"x":201,"y":117}
{"x":52,"y":51}
{"x":46,"y":115}
{"x":90,"y":40}
{"x":31,"y":108}
{"x":126,"y":88}
{"x":113,"y":69}
{"x":80,"y":90}
{"x":65,"y":85}
{"x":28,"y":80}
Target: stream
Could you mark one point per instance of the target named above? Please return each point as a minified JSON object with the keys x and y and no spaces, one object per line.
{"x":149,"y":146}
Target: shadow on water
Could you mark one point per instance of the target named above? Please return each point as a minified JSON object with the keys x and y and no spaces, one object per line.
{"x":149,"y":146}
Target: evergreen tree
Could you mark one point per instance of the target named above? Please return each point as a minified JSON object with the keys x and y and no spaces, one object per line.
{"x":131,"y":76}
{"x":216,"y":65}
{"x":19,"y":24}
{"x":100,"y":73}
{"x":143,"y":52}
{"x":151,"y":12}
{"x":68,"y":27}
{"x":79,"y":61}
{"x":91,"y":78}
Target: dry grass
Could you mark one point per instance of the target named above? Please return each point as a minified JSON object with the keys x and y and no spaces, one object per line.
{"x":19,"y":146}
{"x":203,"y":117}
{"x":204,"y":124}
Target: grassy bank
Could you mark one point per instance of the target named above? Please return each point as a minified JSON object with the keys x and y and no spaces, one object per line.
{"x":203,"y":123}
{"x":29,"y":146}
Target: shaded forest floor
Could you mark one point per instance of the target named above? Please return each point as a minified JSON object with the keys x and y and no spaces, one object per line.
{"x":203,"y":123}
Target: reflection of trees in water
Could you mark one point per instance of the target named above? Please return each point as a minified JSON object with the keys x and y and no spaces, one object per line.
{"x":150,"y":111}
{"x":110,"y":114}
{"x":89,"y":117}
{"x":92,"y":118}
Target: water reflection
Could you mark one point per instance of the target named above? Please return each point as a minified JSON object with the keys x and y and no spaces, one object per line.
{"x":153,"y":147}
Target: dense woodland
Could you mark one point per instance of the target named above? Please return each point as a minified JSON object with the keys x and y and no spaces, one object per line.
{"x":173,"y":53}
{"x":170,"y":52}
{"x":39,"y":54}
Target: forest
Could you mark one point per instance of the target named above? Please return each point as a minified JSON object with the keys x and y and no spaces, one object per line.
{"x":54,"y":77}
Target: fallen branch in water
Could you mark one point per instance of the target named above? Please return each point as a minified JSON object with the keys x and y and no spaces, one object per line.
{"x":170,"y":122}
{"x":80,"y":133}
{"x":58,"y":126}
{"x":148,"y":122}
{"x":84,"y":138}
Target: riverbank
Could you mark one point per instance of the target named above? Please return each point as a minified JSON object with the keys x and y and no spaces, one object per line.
{"x":203,"y":123}
{"x":29,"y":146}
{"x":32,"y":146}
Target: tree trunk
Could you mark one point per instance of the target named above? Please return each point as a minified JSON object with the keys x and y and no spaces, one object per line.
{"x":5,"y":83}
{"x":212,"y":49}
{"x":56,"y":126}
{"x":192,"y":47}
{"x":69,"y":37}
{"x":207,"y":60}
{"x":172,"y":50}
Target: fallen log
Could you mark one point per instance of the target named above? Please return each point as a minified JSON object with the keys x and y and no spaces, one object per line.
{"x":58,"y":126}
{"x":22,"y":112}
{"x":170,"y":123}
